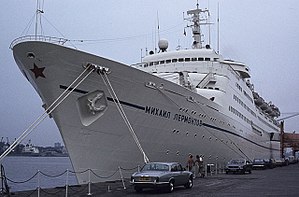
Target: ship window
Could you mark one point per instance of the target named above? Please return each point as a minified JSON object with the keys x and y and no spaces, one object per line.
{"x":162,"y":62}
{"x":145,"y":65}
{"x":207,"y":59}
{"x":151,"y":63}
{"x":187,"y":59}
{"x":156,"y":63}
{"x":168,"y":61}
{"x":216,"y":88}
{"x":200,"y":59}
{"x":174,"y":60}
{"x":181,"y":59}
{"x":194,"y":59}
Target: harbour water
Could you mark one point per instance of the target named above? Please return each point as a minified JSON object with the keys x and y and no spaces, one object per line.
{"x":21,"y":170}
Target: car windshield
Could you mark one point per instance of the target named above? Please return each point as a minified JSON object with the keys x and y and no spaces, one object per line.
{"x":155,"y":167}
{"x":236,"y":161}
{"x":258,"y":161}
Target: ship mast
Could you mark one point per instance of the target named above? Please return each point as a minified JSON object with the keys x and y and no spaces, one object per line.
{"x":198,"y":17}
{"x":38,"y":19}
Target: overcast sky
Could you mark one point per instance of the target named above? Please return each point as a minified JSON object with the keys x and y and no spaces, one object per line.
{"x":263,"y":34}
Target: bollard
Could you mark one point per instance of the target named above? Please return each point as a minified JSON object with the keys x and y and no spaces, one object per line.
{"x":89,"y":182}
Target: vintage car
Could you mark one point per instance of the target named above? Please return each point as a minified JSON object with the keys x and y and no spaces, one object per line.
{"x":238,"y":166}
{"x":165,"y":175}
{"x":259,"y":164}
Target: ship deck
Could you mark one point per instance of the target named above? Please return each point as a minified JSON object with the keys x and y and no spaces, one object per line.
{"x":280,"y":181}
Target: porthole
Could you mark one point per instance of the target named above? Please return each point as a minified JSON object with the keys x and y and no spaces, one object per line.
{"x":30,"y":55}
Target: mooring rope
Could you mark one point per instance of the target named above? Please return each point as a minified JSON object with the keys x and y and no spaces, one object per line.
{"x":122,"y":113}
{"x":48,"y":111}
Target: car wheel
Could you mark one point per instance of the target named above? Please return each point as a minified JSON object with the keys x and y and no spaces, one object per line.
{"x":138,"y":189}
{"x":170,"y":187}
{"x":189,"y":184}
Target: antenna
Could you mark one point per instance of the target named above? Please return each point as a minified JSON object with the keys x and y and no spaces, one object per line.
{"x":158,"y":25}
{"x":209,"y":22}
{"x":218,"y":29}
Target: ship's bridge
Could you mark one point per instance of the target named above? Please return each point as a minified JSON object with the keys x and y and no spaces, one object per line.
{"x":172,"y":61}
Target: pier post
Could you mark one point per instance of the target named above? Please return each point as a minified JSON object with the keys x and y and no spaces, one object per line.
{"x":2,"y":180}
{"x":67,"y":183}
{"x":122,"y":177}
{"x":89,"y":182}
{"x":38,"y":183}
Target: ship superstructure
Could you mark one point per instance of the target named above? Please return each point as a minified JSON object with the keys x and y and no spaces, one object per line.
{"x":173,"y":103}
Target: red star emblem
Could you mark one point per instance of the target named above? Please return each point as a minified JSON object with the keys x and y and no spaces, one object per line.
{"x":38,"y":72}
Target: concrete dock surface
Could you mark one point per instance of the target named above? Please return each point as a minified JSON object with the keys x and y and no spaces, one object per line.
{"x":280,"y":181}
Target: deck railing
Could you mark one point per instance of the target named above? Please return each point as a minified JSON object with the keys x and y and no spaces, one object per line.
{"x":50,"y":39}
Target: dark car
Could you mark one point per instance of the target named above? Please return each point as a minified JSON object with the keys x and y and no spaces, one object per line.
{"x":238,"y":166}
{"x":270,"y":163}
{"x":162,"y":175}
{"x":259,"y":164}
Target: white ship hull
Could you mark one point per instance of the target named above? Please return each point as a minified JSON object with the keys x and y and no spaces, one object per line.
{"x":156,"y":109}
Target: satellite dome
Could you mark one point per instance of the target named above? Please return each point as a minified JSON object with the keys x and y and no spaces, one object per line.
{"x":163,"y":45}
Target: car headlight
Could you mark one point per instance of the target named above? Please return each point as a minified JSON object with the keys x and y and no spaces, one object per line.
{"x":132,"y":179}
{"x":156,"y":179}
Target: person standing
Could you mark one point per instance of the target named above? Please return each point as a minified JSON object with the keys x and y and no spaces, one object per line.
{"x":190,"y":163}
{"x":197,"y":163}
{"x":201,"y":167}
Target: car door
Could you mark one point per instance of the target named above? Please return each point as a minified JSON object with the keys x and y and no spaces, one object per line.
{"x":181,"y":176}
{"x":176,"y":174}
{"x":184,"y":175}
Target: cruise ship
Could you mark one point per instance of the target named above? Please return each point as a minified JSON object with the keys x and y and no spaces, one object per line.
{"x":171,"y":104}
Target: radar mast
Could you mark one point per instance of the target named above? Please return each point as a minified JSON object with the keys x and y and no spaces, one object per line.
{"x":197,"y":17}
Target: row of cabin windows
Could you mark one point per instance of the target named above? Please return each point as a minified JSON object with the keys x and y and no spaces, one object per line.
{"x":236,"y":98}
{"x":239,"y":114}
{"x":187,"y":59}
